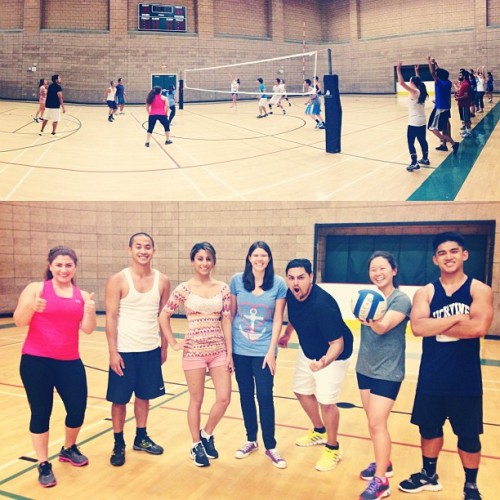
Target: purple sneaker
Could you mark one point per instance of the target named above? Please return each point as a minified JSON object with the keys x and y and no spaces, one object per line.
{"x":276,"y":459}
{"x":246,"y":449}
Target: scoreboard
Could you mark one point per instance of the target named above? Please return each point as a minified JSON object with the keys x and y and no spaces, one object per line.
{"x":159,"y":17}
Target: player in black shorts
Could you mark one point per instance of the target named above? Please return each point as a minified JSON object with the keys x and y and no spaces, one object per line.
{"x":452,"y":314}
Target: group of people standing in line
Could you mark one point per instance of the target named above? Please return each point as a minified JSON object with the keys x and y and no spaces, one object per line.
{"x":469,"y":91}
{"x":238,"y":328}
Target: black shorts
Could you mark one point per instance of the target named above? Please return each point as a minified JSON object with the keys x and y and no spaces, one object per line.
{"x":439,"y":119}
{"x":385,"y":388}
{"x":142,"y":375}
{"x":464,"y":113}
{"x":465,"y":413}
{"x":111,"y":104}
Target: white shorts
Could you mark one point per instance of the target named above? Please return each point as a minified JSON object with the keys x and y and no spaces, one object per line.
{"x":52,"y":114}
{"x":325,"y":384}
{"x":275,"y":99}
{"x":262,"y":102}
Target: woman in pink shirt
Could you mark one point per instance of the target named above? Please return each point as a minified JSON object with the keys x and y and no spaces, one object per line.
{"x":42,"y":97}
{"x":156,"y":106}
{"x":55,"y":310}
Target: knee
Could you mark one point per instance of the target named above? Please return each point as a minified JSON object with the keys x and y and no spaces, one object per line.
{"x":376,"y":425}
{"x":224,"y":400}
{"x":469,"y":444}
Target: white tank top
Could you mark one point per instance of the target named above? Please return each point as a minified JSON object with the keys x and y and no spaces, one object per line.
{"x":111,"y":94}
{"x":138,"y":329}
{"x":416,"y":112}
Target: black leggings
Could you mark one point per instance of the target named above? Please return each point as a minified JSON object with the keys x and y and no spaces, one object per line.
{"x":160,"y":118}
{"x":40,"y":376}
{"x":172,"y":114}
{"x":419,"y":134}
{"x":479,"y":100}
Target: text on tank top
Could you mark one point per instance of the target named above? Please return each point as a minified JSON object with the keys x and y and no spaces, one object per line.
{"x":138,"y":329}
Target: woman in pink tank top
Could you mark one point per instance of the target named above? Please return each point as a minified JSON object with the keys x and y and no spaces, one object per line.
{"x":55,"y":310}
{"x":156,"y":106}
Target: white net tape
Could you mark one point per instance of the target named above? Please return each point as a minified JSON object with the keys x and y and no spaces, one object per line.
{"x":215,"y":82}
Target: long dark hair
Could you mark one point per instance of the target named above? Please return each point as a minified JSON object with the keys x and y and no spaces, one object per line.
{"x":420,"y":86}
{"x":249,"y":278}
{"x":56,"y":252}
{"x":156,"y":90}
{"x":389,"y":258}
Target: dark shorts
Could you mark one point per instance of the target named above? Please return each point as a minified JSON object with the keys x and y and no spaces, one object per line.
{"x":384,"y":388}
{"x":465,"y":413}
{"x":142,"y":375}
{"x":121,"y":100}
{"x":163,"y":119}
{"x":464,"y":113}
{"x":439,"y":119}
{"x":111,"y":104}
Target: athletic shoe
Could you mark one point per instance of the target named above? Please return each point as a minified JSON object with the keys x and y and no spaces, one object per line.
{"x":471,"y":492}
{"x":168,"y":141}
{"x":118,"y":456}
{"x":329,"y":459}
{"x":73,"y":456}
{"x":146,"y":144}
{"x":376,"y":489}
{"x":369,"y":473}
{"x":420,"y":482}
{"x":263,"y":116}
{"x":480,"y":111}
{"x":35,"y":119}
{"x":46,"y":477}
{"x":455,"y":147}
{"x":246,"y":449}
{"x":284,"y":112}
{"x":424,"y":161}
{"x":442,"y":148}
{"x":147,"y":444}
{"x":312,"y":438}
{"x":466,"y":135}
{"x":110,"y":119}
{"x":209,"y":446}
{"x":260,"y":116}
{"x":317,"y":125}
{"x":270,"y":113}
{"x":413,"y":166}
{"x":276,"y":459}
{"x":198,"y":455}
{"x":322,"y":126}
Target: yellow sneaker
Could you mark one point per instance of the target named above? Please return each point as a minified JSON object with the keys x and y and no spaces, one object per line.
{"x":312,"y":438}
{"x":329,"y":459}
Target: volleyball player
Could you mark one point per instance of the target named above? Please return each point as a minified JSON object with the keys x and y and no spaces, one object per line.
{"x":451,"y":314}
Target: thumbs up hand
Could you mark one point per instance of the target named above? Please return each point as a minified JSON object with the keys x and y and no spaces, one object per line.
{"x":40,"y":304}
{"x":89,"y":305}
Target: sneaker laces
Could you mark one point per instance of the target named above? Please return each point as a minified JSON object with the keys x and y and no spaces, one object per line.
{"x":276,"y":455}
{"x":374,"y":485}
{"x":247,"y":447}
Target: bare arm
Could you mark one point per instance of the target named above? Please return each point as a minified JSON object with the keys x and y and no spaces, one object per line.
{"x":30,"y":301}
{"x":422,"y":324}
{"x":413,"y":92}
{"x":112,"y":299}
{"x":334,"y":351}
{"x":165,"y":294}
{"x":432,"y":67}
{"x":285,"y":338}
{"x":270,"y":358}
{"x":89,"y":321}
{"x":386,"y":323}
{"x":478,"y":321}
{"x":61,"y":102}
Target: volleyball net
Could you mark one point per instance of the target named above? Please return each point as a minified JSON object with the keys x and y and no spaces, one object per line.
{"x":214,"y":83}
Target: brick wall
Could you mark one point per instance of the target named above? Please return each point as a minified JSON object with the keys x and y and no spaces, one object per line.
{"x":11,"y":17}
{"x":99,"y":233}
{"x":366,"y":38}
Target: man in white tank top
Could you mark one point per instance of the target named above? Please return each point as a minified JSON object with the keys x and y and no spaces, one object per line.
{"x":137,"y":347}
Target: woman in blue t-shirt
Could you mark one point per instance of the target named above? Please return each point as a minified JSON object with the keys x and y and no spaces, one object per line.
{"x":380,"y":368}
{"x":257,"y":306}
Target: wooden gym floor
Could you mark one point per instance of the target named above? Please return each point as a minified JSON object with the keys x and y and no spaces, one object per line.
{"x":222,"y":154}
{"x":173,"y":475}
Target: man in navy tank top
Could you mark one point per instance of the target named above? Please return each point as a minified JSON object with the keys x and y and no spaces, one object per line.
{"x":451,"y":314}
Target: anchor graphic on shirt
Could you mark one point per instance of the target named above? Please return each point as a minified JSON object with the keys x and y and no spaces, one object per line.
{"x":252,"y":334}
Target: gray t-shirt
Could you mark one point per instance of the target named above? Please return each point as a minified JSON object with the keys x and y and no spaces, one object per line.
{"x":383,"y":356}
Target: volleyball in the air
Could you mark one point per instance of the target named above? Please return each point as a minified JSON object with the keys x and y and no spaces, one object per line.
{"x":368,"y":304}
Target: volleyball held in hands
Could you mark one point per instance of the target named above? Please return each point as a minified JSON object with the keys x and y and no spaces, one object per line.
{"x":368,"y":304}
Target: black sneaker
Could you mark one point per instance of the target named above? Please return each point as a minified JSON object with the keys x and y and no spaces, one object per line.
{"x":424,"y":161}
{"x":118,"y":456}
{"x":73,"y":456}
{"x":413,"y":166}
{"x":284,"y":112}
{"x":471,"y":492}
{"x":168,"y":141}
{"x":147,"y":444}
{"x":442,"y":148}
{"x":46,"y":477}
{"x":420,"y":482}
{"x":455,"y":147}
{"x":110,"y":119}
{"x":209,"y":446}
{"x":199,"y":456}
{"x":146,"y":144}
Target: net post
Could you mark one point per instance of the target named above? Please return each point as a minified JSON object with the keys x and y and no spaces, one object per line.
{"x":333,"y":113}
{"x":181,"y":94}
{"x":330,"y":67}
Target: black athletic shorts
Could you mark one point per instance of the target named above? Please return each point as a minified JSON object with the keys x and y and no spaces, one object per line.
{"x":385,"y":388}
{"x":465,"y":413}
{"x":142,"y":375}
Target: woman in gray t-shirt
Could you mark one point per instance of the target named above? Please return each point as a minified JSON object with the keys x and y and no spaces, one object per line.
{"x":381,"y":366}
